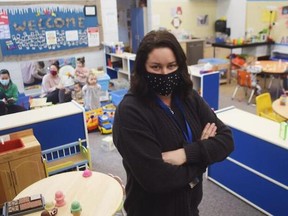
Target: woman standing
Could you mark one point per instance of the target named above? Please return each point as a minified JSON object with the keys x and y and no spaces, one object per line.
{"x":166,"y":133}
{"x":8,"y":94}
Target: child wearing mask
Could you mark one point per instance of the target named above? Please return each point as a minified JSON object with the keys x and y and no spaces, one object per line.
{"x":91,"y":92}
{"x":77,"y":94}
{"x":81,"y":72}
{"x":8,"y":94}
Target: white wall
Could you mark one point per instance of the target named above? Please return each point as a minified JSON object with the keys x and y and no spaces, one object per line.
{"x":235,"y":12}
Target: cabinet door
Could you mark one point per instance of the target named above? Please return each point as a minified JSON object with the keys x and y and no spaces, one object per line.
{"x":7,"y":191}
{"x":137,"y":27}
{"x":26,"y":171}
{"x":195,"y":51}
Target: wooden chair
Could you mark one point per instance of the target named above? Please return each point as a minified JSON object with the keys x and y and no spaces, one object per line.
{"x":264,"y":108}
{"x":245,"y":80}
{"x":120,"y":210}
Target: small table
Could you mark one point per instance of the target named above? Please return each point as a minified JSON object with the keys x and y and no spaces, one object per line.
{"x":275,"y":68}
{"x":98,"y":194}
{"x":39,"y":103}
{"x":281,"y":110}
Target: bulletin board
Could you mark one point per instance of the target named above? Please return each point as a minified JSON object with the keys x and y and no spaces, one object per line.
{"x":32,"y":29}
{"x":261,"y":13}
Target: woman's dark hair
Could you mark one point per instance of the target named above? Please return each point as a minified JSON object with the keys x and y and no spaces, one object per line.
{"x":56,"y":64}
{"x":41,"y":64}
{"x":82,"y":60}
{"x":151,"y":41}
{"x":4,"y":71}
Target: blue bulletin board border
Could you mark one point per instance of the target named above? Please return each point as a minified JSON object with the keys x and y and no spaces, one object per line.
{"x":43,"y":28}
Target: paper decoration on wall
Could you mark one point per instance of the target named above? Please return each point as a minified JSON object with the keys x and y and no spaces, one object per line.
{"x":268,"y":16}
{"x":202,"y":20}
{"x":40,"y":28}
{"x":4,"y":26}
{"x":51,"y":38}
{"x":93,"y":37}
{"x":72,"y":35}
{"x":176,"y":14}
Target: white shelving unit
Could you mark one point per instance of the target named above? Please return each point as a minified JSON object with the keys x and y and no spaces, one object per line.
{"x":119,"y":65}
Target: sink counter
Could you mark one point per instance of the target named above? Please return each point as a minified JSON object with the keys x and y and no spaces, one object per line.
{"x":190,"y":40}
{"x":31,"y":145}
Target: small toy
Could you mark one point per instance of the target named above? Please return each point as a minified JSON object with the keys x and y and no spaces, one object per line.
{"x":104,"y":125}
{"x":87,"y":173}
{"x":24,"y":205}
{"x":92,"y":123}
{"x":45,"y":213}
{"x":92,"y":119}
{"x":49,"y":205}
{"x":53,"y":212}
{"x":75,"y":208}
{"x":59,"y":198}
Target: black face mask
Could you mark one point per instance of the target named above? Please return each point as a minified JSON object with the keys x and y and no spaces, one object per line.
{"x":163,"y":84}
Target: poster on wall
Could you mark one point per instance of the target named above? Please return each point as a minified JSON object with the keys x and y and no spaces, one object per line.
{"x":4,"y":26}
{"x":51,"y":38}
{"x":93,"y":36}
{"x":42,"y":28}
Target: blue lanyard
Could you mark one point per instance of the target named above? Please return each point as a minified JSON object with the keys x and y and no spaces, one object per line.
{"x":186,"y":133}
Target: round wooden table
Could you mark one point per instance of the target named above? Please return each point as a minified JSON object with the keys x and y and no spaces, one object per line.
{"x":98,"y":195}
{"x":275,"y":68}
{"x":281,"y":110}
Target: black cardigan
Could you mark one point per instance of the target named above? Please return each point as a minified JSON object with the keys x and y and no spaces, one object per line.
{"x":141,"y":132}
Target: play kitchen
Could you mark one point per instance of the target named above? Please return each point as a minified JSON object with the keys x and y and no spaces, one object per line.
{"x":20,"y":163}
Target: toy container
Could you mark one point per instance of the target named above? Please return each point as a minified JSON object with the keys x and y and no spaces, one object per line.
{"x":117,"y":96}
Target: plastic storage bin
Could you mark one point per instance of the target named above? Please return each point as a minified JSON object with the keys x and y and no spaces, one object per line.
{"x":222,"y":65}
{"x":117,"y":96}
{"x":104,"y":82}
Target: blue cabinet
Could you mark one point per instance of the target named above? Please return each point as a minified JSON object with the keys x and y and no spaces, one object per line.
{"x":138,"y":27}
{"x":207,"y":85}
{"x":257,"y":169}
{"x":52,"y":126}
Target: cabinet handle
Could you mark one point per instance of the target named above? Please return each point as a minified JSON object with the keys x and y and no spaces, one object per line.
{"x":14,"y":176}
{"x":10,"y":179}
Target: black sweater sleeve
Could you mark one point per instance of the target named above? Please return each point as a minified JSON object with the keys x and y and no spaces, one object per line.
{"x":214,"y":149}
{"x":140,"y":149}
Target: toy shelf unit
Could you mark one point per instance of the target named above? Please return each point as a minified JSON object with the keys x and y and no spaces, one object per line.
{"x":207,"y":85}
{"x":119,"y":64}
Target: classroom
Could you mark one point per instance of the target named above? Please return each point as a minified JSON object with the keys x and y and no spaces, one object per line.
{"x":144,"y":107}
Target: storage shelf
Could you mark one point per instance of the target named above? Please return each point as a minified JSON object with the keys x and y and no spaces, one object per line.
{"x":127,"y":60}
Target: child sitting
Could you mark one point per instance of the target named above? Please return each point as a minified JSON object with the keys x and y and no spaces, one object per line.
{"x":91,"y":93}
{"x":81,"y":72}
{"x":77,"y":93}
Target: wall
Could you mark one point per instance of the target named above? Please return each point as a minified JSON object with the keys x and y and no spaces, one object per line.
{"x":94,"y":57}
{"x":258,"y":21}
{"x":235,"y":12}
{"x":162,"y":15}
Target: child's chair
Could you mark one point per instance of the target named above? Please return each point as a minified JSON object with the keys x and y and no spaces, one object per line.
{"x":246,"y":81}
{"x":264,"y":108}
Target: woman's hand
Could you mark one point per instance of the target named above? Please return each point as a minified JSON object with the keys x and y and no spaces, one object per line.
{"x":176,"y":157}
{"x":209,"y":131}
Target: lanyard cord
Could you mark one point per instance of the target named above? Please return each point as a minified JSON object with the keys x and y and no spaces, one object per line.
{"x":186,"y":133}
